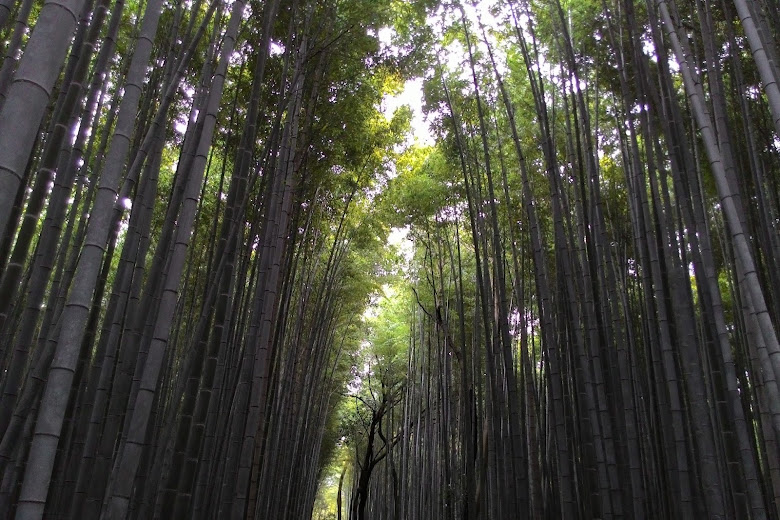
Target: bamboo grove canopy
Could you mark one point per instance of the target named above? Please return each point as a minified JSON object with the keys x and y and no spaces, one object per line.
{"x":237,"y":281}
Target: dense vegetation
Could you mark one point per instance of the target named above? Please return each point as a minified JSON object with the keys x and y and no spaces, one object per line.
{"x":206,"y":310}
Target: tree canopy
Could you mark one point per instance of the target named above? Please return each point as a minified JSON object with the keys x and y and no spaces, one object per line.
{"x":235,"y":282}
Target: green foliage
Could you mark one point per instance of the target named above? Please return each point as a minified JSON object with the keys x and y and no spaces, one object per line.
{"x":422,"y":188}
{"x":388,"y":335}
{"x":378,"y":366}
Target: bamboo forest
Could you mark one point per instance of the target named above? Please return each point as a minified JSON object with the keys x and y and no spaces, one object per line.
{"x":390,"y":259}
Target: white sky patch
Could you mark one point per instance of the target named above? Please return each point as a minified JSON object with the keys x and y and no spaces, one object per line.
{"x":385,"y":35}
{"x":276,"y":49}
{"x":457,"y":59}
{"x":180,"y":125}
{"x":399,"y":237}
{"x":411,"y":95}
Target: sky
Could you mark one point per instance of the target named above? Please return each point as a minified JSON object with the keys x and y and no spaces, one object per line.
{"x":411,"y":95}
